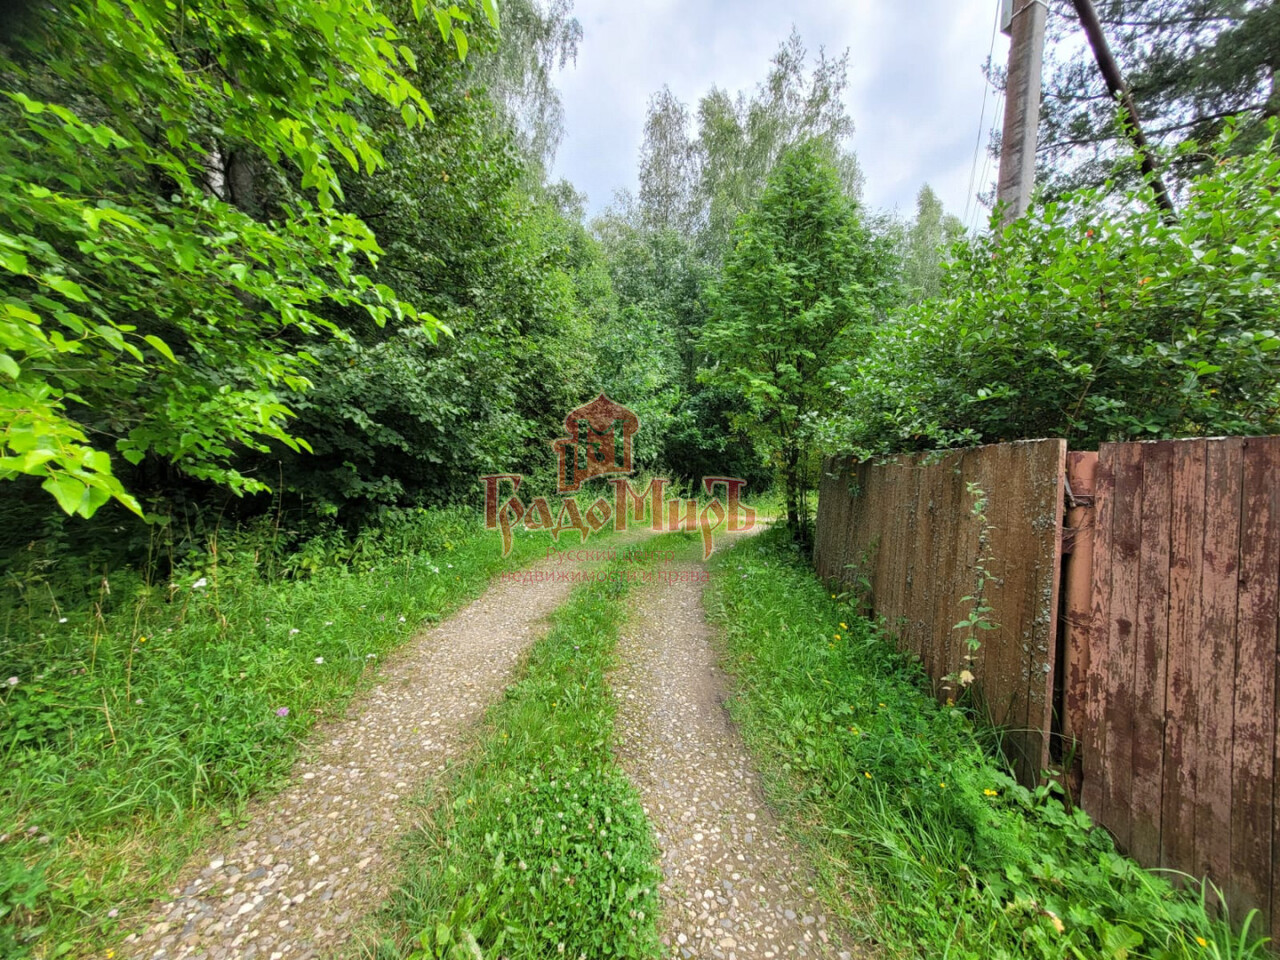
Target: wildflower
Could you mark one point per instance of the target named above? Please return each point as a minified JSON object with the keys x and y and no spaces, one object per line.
{"x":402,"y":619}
{"x":882,"y":704}
{"x":12,"y":681}
{"x":142,"y":639}
{"x":867,"y":774}
{"x":294,"y":630}
{"x":282,"y":712}
{"x":844,"y":626}
{"x":113,"y":913}
{"x":328,"y":623}
{"x":138,"y":701}
{"x":110,"y":954}
{"x":319,"y":659}
{"x":371,"y":656}
{"x":200,"y":584}
{"x":62,"y":619}
{"x":1144,"y":281}
{"x":943,"y":784}
{"x":990,"y":793}
{"x":1202,"y":941}
{"x":837,"y":636}
{"x":966,"y":677}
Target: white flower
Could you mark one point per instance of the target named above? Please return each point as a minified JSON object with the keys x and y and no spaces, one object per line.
{"x":138,"y":701}
{"x":328,"y":623}
{"x":402,"y":619}
{"x":293,"y":631}
{"x":12,"y":681}
{"x":201,"y":583}
{"x":62,"y":619}
{"x":319,"y":659}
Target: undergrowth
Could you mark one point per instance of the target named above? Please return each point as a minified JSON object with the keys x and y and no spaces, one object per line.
{"x":904,"y":807}
{"x":133,"y":722}
{"x":537,"y":845}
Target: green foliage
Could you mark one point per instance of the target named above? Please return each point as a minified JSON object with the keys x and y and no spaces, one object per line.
{"x":140,"y":713}
{"x":904,"y":806}
{"x":924,"y":246}
{"x":152,"y":299}
{"x":700,"y":185}
{"x":1094,"y":320}
{"x":800,"y":291}
{"x":539,"y":846}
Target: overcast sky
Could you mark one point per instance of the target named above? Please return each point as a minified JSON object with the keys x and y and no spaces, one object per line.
{"x":915,"y":82}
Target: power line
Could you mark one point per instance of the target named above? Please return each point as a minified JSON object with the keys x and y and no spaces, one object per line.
{"x":982,"y":117}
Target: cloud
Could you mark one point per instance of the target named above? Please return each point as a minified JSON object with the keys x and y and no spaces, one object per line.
{"x":915,"y":90}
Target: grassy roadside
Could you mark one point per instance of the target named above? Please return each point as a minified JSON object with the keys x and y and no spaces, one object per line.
{"x":136,"y":725}
{"x":537,"y":845}
{"x":904,"y":809}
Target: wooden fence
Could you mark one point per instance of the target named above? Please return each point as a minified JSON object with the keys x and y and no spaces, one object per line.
{"x":907,"y":530}
{"x":1177,"y":718}
{"x":1161,"y":663}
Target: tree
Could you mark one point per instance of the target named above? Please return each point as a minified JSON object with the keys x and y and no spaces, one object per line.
{"x":702,"y":183}
{"x":925,"y":243}
{"x":172,"y":229}
{"x":537,"y":39}
{"x":800,"y":291}
{"x":1190,"y":64}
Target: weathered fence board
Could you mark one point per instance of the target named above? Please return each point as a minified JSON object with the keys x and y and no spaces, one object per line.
{"x":907,"y":529}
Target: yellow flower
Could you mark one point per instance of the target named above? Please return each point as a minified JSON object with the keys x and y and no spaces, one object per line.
{"x":142,"y":639}
{"x":110,"y":954}
{"x":991,"y":793}
{"x":844,"y":626}
{"x":867,"y":774}
{"x":837,"y":636}
{"x":882,"y":704}
{"x":1202,"y":941}
{"x":943,"y":784}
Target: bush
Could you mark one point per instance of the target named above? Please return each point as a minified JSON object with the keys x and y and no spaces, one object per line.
{"x":1094,"y":320}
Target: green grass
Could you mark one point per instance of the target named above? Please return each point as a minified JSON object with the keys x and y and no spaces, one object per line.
{"x":924,"y":841}
{"x":537,"y":845}
{"x":144,"y":720}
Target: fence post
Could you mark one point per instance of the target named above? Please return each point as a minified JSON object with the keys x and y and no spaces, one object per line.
{"x":1077,"y":589}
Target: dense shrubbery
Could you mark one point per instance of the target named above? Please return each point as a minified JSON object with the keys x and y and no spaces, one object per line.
{"x":1090,"y":319}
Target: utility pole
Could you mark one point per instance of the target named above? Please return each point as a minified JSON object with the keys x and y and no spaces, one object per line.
{"x":1025,"y":21}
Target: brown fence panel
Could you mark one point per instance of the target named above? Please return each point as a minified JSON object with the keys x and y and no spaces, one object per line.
{"x":906,"y":528}
{"x":1180,"y":744}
